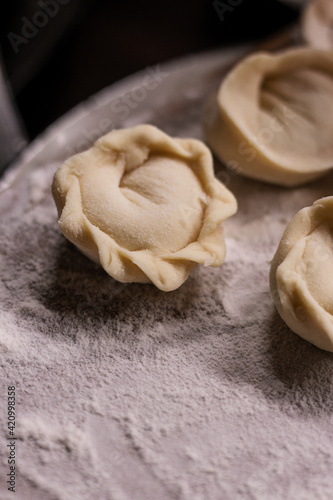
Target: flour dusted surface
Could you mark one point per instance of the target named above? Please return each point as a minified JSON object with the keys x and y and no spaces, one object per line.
{"x":125,"y":392}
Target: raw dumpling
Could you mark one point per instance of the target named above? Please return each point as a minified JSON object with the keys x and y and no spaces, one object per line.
{"x":273,"y":116}
{"x":317,"y":24}
{"x":144,"y":205}
{"x":301,"y":275}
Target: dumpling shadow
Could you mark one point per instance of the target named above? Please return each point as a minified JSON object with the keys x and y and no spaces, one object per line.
{"x":303,"y":195}
{"x":291,"y":374}
{"x":81,"y":290}
{"x":304,"y":371}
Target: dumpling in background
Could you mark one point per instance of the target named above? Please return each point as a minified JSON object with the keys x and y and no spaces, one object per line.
{"x":272,"y":117}
{"x":317,"y":24}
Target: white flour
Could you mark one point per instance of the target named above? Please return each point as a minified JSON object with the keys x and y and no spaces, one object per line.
{"x":128,"y":393}
{"x":202,"y":393}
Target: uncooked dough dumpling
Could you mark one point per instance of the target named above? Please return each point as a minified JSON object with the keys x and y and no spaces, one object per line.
{"x":144,"y":205}
{"x":317,"y":24}
{"x":272,"y":118}
{"x":301,"y":276}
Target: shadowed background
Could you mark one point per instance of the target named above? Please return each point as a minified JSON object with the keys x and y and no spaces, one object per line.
{"x":57,"y":53}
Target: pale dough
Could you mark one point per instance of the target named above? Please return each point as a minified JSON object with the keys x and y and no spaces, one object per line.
{"x":144,"y":205}
{"x":317,"y":24}
{"x":272,"y":118}
{"x":301,"y":276}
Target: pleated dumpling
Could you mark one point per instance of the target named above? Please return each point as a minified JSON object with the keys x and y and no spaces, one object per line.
{"x":144,"y":205}
{"x":301,"y":275}
{"x":272,"y":117}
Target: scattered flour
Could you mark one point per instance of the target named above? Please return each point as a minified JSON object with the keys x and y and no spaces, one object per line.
{"x":128,"y":393}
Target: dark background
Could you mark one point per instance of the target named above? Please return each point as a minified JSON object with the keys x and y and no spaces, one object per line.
{"x":58,"y":52}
